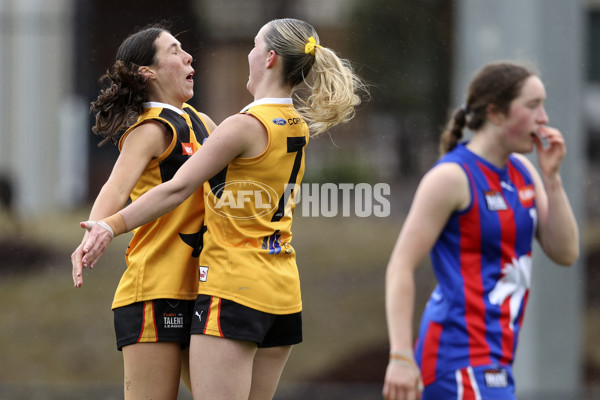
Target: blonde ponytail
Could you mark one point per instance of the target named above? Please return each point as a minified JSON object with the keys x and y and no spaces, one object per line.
{"x":335,"y":91}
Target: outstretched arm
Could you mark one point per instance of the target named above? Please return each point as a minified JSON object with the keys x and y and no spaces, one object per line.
{"x":238,"y":135}
{"x":143,"y":143}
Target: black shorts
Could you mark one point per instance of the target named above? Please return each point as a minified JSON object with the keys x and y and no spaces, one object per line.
{"x":160,"y":320}
{"x":220,"y":317}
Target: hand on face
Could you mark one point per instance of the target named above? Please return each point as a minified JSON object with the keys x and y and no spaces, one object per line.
{"x":550,"y":153}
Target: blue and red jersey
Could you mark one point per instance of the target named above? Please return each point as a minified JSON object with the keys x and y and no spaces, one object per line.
{"x":482,"y":262}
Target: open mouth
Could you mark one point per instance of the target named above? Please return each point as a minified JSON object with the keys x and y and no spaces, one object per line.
{"x":190,"y":77}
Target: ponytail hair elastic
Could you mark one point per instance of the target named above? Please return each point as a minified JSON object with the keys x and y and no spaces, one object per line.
{"x":310,"y":46}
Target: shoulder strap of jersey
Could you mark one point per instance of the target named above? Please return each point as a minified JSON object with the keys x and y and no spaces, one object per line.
{"x":199,"y":127}
{"x":156,"y":118}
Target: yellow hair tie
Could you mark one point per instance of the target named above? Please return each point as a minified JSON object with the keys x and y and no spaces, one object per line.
{"x":311,"y":46}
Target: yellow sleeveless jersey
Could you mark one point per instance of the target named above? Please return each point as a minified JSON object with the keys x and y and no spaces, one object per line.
{"x":162,"y":257}
{"x":247,"y":255}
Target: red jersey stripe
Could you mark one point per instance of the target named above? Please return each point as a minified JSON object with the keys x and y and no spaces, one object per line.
{"x":430,"y":352}
{"x":470,"y":236}
{"x":508,"y":237}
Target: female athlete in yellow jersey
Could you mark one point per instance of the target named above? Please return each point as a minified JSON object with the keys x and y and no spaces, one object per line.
{"x":247,"y":314}
{"x":151,"y":81}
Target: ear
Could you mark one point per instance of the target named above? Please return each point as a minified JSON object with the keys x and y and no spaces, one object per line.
{"x":272,"y":57}
{"x":146,"y":71}
{"x":494,"y":114}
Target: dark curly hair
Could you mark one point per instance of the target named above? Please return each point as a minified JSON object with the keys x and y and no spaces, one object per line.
{"x":123,"y":88}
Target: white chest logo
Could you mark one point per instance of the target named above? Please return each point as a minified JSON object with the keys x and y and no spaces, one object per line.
{"x":515,"y":281}
{"x":495,"y":201}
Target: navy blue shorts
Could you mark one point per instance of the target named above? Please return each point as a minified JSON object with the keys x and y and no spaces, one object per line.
{"x":160,"y":320}
{"x":489,"y":382}
{"x":225,"y":318}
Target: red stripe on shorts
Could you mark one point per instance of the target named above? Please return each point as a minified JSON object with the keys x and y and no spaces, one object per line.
{"x":467,"y":386}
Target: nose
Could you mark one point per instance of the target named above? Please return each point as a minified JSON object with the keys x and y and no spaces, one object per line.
{"x":188,"y":57}
{"x":542,"y":116}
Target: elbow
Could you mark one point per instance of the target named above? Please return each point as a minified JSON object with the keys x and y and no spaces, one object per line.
{"x":175,"y":199}
{"x":392,"y":274}
{"x":571,"y":258}
{"x":179,"y":197}
{"x":563,"y":248}
{"x":177,"y":194}
{"x":398,"y":272}
{"x":567,"y":258}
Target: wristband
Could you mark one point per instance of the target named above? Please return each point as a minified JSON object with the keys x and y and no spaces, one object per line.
{"x":398,"y":357}
{"x":116,"y":223}
{"x":406,"y":358}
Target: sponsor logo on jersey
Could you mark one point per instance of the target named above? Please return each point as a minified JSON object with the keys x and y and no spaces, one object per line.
{"x":512,"y":287}
{"x":294,"y":121}
{"x":172,"y":320}
{"x":496,"y":378}
{"x":495,"y":201}
{"x":188,"y":149}
{"x":507,"y":186}
{"x":527,"y":195}
{"x":279,"y":121}
{"x":203,"y":273}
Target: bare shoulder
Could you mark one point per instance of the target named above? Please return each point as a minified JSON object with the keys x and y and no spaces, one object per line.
{"x":150,"y":137}
{"x":209,"y":122}
{"x":523,"y":159}
{"x":240,"y":136}
{"x":447,"y":174}
{"x":244,"y":121}
{"x":248,"y":133}
{"x":241,"y":127}
{"x":448,"y":183}
{"x":147,"y":128}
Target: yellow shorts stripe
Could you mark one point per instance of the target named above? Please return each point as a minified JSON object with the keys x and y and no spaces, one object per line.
{"x":213,"y":321}
{"x":148,"y":333}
